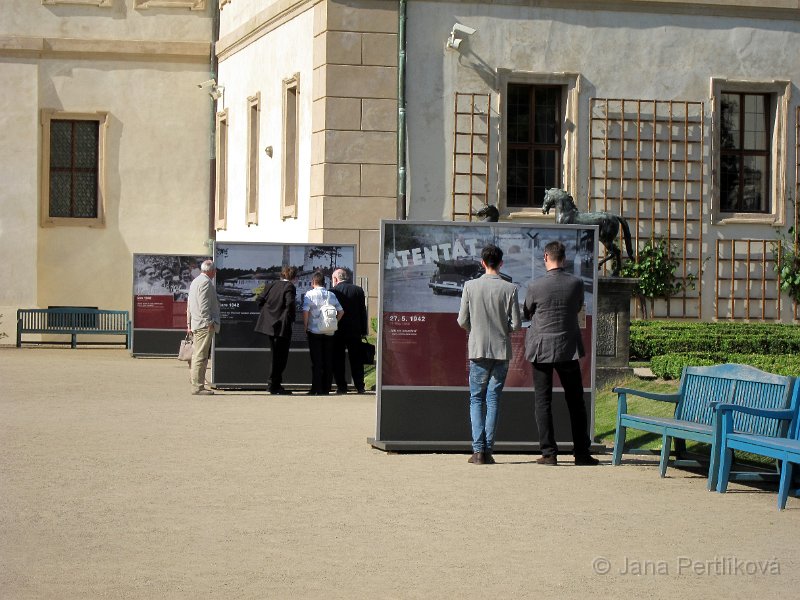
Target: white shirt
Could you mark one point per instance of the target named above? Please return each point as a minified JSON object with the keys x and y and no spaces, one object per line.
{"x":313,"y":299}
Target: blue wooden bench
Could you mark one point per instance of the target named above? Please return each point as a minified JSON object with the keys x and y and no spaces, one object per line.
{"x":700,"y":390}
{"x":72,"y":321}
{"x":785,"y":446}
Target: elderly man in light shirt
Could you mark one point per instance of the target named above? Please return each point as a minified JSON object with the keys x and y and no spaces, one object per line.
{"x":489,"y":312}
{"x":203,"y":320}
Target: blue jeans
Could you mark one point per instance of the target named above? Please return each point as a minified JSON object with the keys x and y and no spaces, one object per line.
{"x":486,"y":379}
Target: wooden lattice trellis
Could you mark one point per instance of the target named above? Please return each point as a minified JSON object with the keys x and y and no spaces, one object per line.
{"x":747,"y":285}
{"x":646,"y":164}
{"x":796,"y":199}
{"x":471,"y":138}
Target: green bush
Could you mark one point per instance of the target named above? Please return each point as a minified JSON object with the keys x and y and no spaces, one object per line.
{"x":656,"y":338}
{"x":669,"y":366}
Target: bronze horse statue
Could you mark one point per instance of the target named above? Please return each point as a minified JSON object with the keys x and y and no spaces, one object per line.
{"x":609,"y":224}
{"x":488,"y":213}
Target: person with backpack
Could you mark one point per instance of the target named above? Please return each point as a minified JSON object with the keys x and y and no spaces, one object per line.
{"x":321,"y":314}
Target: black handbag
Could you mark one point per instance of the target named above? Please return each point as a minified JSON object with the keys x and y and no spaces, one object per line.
{"x":368,"y":352}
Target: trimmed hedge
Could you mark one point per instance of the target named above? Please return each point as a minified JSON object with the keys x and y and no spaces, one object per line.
{"x":670,"y":366}
{"x":655,"y":338}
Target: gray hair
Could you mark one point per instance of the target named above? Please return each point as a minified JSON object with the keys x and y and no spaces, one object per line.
{"x":341,"y":275}
{"x":208,"y":266}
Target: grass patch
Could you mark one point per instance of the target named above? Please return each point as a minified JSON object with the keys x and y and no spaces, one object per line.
{"x":370,"y":373}
{"x":605,"y":411}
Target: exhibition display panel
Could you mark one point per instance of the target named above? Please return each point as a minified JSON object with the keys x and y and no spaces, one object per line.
{"x":242,"y":357}
{"x":422,"y":380}
{"x":160,"y":293}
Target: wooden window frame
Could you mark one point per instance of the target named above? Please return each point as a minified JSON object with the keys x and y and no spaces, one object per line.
{"x":47,"y":116}
{"x":290,"y":146}
{"x":780,"y":93}
{"x":253,"y":158}
{"x":221,"y":191}
{"x":741,"y":152}
{"x":532,"y":146}
{"x":570,"y":95}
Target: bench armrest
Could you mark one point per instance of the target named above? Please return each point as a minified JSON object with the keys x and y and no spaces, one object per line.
{"x":769,"y":413}
{"x":674,"y":398}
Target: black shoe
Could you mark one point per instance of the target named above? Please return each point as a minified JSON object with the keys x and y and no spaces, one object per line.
{"x":476,"y":458}
{"x":340,"y":391}
{"x":551,"y":460}
{"x":361,"y":391}
{"x":281,"y":392}
{"x":488,"y":459}
{"x":586,"y":460}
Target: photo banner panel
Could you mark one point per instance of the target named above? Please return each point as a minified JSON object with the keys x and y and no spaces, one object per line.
{"x":160,"y":294}
{"x":423,"y":351}
{"x":243,"y":270}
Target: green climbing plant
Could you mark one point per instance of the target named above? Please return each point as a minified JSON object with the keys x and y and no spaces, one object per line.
{"x":655,"y":269}
{"x":787,"y":264}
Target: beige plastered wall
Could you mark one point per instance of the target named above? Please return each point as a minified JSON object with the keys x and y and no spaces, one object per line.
{"x":157,"y":147}
{"x":348,"y":142}
{"x":616,"y":54}
{"x":260,"y":68}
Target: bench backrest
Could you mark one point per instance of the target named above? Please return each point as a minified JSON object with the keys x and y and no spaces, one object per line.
{"x":56,"y":320}
{"x":742,"y":385}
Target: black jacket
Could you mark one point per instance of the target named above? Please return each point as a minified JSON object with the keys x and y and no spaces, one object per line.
{"x":354,"y":320}
{"x":277,"y":303}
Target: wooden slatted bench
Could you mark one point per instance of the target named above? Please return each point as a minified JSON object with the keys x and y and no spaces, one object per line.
{"x":785,"y":449}
{"x":72,"y":321}
{"x":701,"y":389}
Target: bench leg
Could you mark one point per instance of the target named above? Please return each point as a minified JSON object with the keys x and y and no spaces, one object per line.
{"x":619,"y":444}
{"x":786,"y":480}
{"x":666,"y":444}
{"x":725,"y":460}
{"x":74,"y":343}
{"x":713,"y":469}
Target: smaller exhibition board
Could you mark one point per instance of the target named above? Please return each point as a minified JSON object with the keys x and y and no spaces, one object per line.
{"x":242,"y":358}
{"x":160,"y":293}
{"x":422,"y":381}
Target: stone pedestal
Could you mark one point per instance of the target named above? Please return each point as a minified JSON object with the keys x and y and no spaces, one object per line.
{"x":613,"y":328}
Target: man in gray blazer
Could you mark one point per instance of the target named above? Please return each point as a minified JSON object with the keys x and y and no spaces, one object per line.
{"x":489,"y":312}
{"x":554,"y":343}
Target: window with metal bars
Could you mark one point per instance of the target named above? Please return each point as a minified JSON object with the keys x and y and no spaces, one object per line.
{"x":534,"y":116}
{"x":74,"y":168}
{"x":744,"y":152}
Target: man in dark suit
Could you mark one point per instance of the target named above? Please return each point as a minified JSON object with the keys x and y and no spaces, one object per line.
{"x":278,"y":306}
{"x":352,"y":328}
{"x":554,"y":343}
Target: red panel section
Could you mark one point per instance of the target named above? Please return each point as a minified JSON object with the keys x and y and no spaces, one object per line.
{"x":156,"y":312}
{"x":412,"y":352}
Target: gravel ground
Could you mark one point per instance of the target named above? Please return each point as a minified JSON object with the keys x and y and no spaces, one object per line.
{"x":117,"y":483}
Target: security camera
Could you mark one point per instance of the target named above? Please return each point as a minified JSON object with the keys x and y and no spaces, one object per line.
{"x":457,"y":34}
{"x":462,"y":29}
{"x":207,"y":83}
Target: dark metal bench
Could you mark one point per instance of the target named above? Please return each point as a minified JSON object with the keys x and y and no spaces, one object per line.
{"x":701,"y":390}
{"x":72,"y":321}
